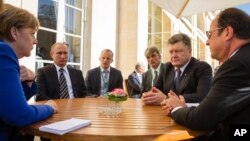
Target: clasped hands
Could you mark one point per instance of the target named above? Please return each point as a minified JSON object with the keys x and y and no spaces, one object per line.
{"x":168,"y":103}
{"x":172,"y":102}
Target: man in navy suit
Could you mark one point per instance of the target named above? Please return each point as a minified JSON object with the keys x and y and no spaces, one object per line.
{"x":104,"y":78}
{"x":135,"y":81}
{"x":228,"y":100}
{"x":195,"y":76}
{"x":48,"y":76}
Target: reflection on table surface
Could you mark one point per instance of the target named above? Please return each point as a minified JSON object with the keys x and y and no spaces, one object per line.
{"x":135,"y":122}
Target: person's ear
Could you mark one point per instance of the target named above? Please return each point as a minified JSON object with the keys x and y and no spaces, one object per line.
{"x":51,"y":54}
{"x":229,"y":32}
{"x":14,"y":33}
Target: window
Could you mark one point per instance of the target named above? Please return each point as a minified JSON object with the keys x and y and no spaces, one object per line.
{"x":60,"y":21}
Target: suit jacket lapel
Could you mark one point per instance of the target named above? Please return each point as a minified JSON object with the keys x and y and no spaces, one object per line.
{"x":170,"y":79}
{"x":98,"y":79}
{"x":72,"y":79}
{"x":111,"y":78}
{"x":185,"y":75}
{"x":136,"y":77}
{"x":55,"y":79}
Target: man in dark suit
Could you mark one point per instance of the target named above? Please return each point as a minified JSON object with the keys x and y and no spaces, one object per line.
{"x":104,"y":78}
{"x":149,"y":77}
{"x":194,"y":80}
{"x":48,"y":76}
{"x":228,"y":101}
{"x":135,"y":81}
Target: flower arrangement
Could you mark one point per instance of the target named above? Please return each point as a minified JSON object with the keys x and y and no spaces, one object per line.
{"x":117,"y":95}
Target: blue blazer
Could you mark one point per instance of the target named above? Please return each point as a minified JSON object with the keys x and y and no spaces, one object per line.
{"x":14,"y":109}
{"x":93,"y":80}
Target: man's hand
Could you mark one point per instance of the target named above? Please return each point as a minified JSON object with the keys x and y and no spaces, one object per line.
{"x":175,"y":101}
{"x":172,"y":102}
{"x":153,"y":97}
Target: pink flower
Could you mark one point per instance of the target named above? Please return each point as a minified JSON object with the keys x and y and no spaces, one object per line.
{"x":118,"y":92}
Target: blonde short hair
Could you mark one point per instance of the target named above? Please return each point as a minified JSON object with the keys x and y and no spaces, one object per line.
{"x":12,"y":16}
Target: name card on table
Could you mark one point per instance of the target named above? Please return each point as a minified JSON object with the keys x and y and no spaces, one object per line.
{"x":65,"y":126}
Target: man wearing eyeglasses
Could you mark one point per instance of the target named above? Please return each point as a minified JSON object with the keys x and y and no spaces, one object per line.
{"x":228,"y":101}
{"x":184,"y":75}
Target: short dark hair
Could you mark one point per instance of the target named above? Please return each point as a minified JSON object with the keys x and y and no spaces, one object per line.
{"x":151,"y":50}
{"x":237,"y":19}
{"x":180,"y":37}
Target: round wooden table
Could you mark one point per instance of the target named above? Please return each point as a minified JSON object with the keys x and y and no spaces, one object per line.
{"x":136,"y":122}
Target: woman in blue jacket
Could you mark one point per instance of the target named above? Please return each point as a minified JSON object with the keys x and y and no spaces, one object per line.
{"x":17,"y":30}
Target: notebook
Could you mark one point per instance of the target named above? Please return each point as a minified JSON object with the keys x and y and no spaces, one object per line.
{"x":65,"y":126}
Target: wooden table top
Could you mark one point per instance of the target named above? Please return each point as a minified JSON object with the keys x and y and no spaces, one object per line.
{"x":136,"y":122}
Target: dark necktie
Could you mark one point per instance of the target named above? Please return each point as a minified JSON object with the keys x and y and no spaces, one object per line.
{"x":156,"y":76}
{"x":178,"y":78}
{"x":63,"y":85}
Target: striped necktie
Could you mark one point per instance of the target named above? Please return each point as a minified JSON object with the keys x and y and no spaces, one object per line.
{"x":63,"y":85}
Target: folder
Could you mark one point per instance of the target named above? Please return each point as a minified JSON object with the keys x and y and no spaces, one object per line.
{"x":65,"y":126}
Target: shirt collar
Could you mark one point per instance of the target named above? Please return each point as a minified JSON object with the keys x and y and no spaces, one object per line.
{"x":106,"y":69}
{"x":183,"y":67}
{"x":157,"y":69}
{"x":65,"y":68}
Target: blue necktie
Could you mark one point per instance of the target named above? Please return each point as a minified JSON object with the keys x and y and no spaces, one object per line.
{"x":178,"y":78}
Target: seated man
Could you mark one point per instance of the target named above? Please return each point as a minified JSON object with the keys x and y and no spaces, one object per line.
{"x":103,"y":78}
{"x":184,"y":74}
{"x":59,"y":80}
{"x":226,"y":106}
{"x":149,"y":77}
{"x":135,"y":81}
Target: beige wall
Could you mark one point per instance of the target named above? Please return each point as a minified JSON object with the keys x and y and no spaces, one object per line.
{"x":127,"y":36}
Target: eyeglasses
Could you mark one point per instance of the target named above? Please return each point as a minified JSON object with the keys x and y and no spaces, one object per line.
{"x":209,"y":33}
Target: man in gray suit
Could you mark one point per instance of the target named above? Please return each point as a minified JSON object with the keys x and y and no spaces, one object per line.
{"x":194,"y":77}
{"x":228,"y":101}
{"x":48,"y":76}
{"x":104,"y":78}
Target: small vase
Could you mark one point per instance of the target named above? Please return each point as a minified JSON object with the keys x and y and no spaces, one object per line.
{"x":112,"y":109}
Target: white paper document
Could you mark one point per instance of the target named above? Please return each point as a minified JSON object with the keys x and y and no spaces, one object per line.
{"x":65,"y":126}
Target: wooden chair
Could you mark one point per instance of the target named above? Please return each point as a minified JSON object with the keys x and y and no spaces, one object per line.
{"x":127,"y":87}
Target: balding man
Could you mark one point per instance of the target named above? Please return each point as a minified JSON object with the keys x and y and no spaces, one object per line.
{"x":59,"y":80}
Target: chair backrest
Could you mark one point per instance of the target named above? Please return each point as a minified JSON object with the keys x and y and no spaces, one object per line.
{"x":127,"y":87}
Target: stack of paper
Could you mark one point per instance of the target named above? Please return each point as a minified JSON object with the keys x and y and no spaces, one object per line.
{"x":64,"y":126}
